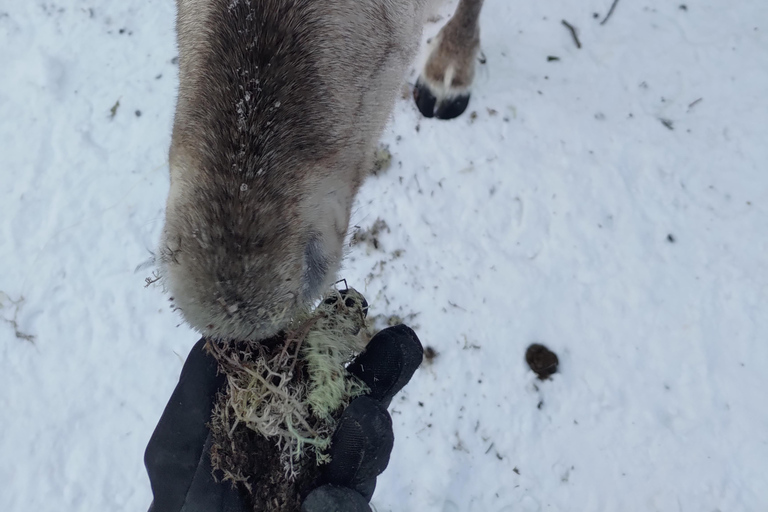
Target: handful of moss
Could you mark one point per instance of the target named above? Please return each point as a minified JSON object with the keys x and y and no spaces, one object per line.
{"x":272,"y":424}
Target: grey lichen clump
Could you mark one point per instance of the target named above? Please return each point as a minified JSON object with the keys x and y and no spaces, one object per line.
{"x":290,"y":390}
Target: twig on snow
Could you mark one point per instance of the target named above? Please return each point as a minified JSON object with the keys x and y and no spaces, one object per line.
{"x":610,"y":11}
{"x":573,"y":33}
{"x":13,"y":322}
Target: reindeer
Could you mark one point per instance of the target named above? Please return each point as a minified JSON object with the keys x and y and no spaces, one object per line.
{"x":280,"y":106}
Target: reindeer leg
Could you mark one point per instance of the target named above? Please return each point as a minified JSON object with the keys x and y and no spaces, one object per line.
{"x":443,"y":89}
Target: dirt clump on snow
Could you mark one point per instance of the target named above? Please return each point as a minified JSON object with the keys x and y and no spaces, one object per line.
{"x":370,"y":236}
{"x":541,"y":360}
{"x":382,"y":160}
{"x":430,"y":354}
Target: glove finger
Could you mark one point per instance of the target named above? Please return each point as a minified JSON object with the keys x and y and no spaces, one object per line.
{"x":331,"y":498}
{"x":389,"y":361}
{"x":366,"y":488}
{"x":361,"y":445}
{"x":176,"y":446}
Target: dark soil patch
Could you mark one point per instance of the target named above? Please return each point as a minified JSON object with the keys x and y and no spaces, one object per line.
{"x":257,"y":460}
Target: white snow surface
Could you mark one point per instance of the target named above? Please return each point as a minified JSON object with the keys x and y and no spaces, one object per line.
{"x":611,"y":205}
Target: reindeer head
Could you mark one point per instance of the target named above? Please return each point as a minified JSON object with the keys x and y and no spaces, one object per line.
{"x":242,"y":257}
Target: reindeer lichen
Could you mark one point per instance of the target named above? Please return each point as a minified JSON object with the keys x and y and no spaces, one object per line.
{"x":290,"y":390}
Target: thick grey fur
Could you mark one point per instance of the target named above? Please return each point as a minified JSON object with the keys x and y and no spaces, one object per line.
{"x":281,"y":104}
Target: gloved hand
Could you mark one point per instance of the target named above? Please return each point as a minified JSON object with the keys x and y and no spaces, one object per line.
{"x":178,"y":455}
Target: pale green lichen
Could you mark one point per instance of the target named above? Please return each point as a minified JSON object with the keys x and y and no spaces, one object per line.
{"x":329,"y":346}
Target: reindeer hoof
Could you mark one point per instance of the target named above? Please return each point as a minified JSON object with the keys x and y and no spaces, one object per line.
{"x":429,"y":106}
{"x":425,"y":100}
{"x":452,"y":107}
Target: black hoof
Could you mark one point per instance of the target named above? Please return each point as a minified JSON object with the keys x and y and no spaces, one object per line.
{"x":428,"y":105}
{"x":425,"y":100}
{"x":452,"y":107}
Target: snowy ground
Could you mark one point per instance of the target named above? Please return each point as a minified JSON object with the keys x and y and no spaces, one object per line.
{"x":611,"y":204}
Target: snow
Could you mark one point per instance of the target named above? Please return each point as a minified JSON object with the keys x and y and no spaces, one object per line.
{"x":611,"y":205}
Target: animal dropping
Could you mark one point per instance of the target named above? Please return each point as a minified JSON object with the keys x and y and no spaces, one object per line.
{"x":541,"y":360}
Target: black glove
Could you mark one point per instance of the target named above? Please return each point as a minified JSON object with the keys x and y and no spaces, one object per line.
{"x":178,"y":454}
